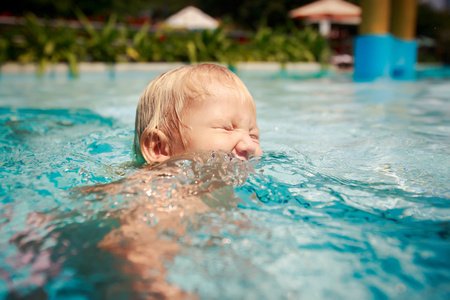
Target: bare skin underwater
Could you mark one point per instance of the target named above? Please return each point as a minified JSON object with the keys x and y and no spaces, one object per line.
{"x":166,"y":198}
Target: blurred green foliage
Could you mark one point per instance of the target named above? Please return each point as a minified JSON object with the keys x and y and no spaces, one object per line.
{"x":272,"y":36}
{"x":41,"y":42}
{"x":44,"y":42}
{"x":298,"y":46}
{"x":106,"y":44}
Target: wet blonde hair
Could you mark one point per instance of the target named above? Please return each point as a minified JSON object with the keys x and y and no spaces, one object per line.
{"x":163,"y":102}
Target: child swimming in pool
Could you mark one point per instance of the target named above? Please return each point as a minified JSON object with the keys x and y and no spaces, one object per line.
{"x":195,"y":129}
{"x":195,"y":126}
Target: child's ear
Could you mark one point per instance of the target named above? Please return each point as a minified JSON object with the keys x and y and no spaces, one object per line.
{"x":155,"y":146}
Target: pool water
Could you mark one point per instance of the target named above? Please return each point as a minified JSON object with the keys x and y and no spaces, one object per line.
{"x":350,"y":199}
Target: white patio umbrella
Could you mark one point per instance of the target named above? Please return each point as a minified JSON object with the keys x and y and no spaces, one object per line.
{"x":192,"y":18}
{"x":326,"y":12}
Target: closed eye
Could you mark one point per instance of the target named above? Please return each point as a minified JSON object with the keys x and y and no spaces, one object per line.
{"x":255,"y":138}
{"x":254,"y":134}
{"x":224,"y":127}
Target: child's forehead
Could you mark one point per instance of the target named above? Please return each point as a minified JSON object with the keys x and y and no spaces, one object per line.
{"x":223,"y":95}
{"x":211,"y":85}
{"x":220,"y":91}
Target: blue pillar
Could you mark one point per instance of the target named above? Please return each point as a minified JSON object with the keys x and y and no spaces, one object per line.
{"x":373,"y":45}
{"x":386,"y":46}
{"x":372,"y":56}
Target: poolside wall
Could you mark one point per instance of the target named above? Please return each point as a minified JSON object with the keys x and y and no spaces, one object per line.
{"x":386,"y":45}
{"x":63,"y":68}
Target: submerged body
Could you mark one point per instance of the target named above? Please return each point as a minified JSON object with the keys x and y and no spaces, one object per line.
{"x":163,"y":201}
{"x":193,"y":108}
{"x":150,"y":213}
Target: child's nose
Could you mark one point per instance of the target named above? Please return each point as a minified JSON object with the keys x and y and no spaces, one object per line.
{"x":245,"y":147}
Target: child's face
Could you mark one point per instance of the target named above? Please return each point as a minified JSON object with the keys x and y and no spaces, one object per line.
{"x":223,"y":122}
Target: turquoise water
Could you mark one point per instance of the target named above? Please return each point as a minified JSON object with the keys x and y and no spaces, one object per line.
{"x":350,"y":200}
